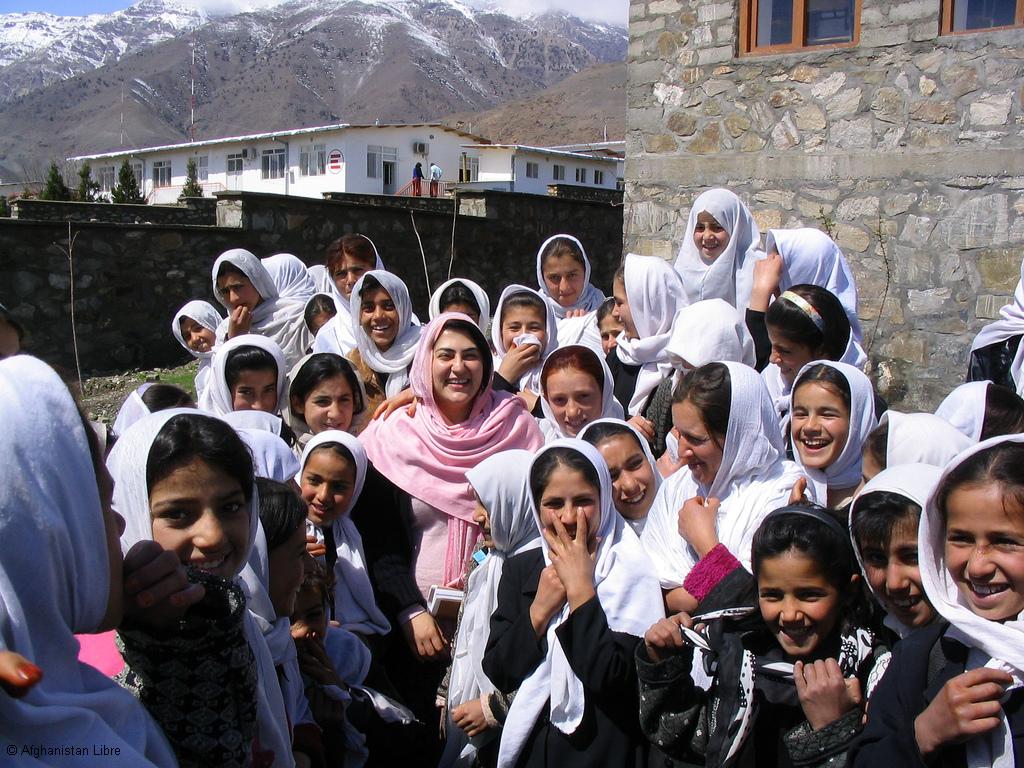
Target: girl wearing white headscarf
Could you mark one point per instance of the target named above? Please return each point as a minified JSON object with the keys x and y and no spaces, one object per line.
{"x":911,"y":485}
{"x":58,"y":516}
{"x":501,"y":483}
{"x":275,"y":316}
{"x":996,"y":352}
{"x":567,"y":413}
{"x":911,"y":438}
{"x":384,"y":371}
{"x":355,"y":606}
{"x":729,"y":274}
{"x":710,"y":331}
{"x":456,"y":300}
{"x":964,"y":545}
{"x":290,"y":276}
{"x":752,"y":478}
{"x":130,"y":465}
{"x":204,"y":314}
{"x":815,"y":421}
{"x":509,"y":342}
{"x":648,"y":293}
{"x":576,"y":702}
{"x":981,"y":409}
{"x":221,"y":399}
{"x":573,"y":292}
{"x":347,"y":259}
{"x":271,"y":456}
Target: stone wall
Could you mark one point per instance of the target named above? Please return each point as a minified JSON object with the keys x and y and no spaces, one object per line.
{"x":196,"y":210}
{"x":907,"y":147}
{"x":129,"y":279}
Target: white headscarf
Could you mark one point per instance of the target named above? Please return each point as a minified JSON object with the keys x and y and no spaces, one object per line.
{"x":220,"y":401}
{"x":655,"y":294}
{"x":127,"y":463}
{"x":628,"y":593}
{"x":132,"y":409}
{"x":845,"y":471}
{"x":637,"y":525}
{"x":590,"y":297}
{"x":914,"y":482}
{"x":271,"y":456}
{"x":290,"y":276}
{"x":502,"y":482}
{"x":990,"y":643}
{"x":1010,"y":322}
{"x":809,"y":256}
{"x":731,"y":275}
{"x":479,"y":294}
{"x":964,"y":408}
{"x":921,"y":438}
{"x":209,"y":318}
{"x":54,"y":580}
{"x":610,"y":407}
{"x":396,"y":360}
{"x":256,"y":420}
{"x":531,"y":379}
{"x":298,"y":425}
{"x":277,"y":317}
{"x":276,"y":630}
{"x":354,"y":604}
{"x":709,"y":331}
{"x":753,"y":480}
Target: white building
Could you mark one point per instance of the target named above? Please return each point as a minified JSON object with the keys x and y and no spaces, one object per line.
{"x":374,"y":159}
{"x":518,"y":168}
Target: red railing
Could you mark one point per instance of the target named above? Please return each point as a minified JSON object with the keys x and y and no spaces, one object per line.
{"x":446,"y":188}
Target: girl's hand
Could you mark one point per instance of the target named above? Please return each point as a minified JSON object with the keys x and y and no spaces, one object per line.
{"x":392,"y":404}
{"x":17,"y":674}
{"x":799,"y":492}
{"x":573,"y":559}
{"x":529,"y":398}
{"x":645,"y":426}
{"x":424,"y":637}
{"x":678,"y":600}
{"x":240,"y":321}
{"x":313,"y":662}
{"x":698,"y":523}
{"x":156,"y":588}
{"x":315,"y":548}
{"x":470,"y":718}
{"x":825,"y":694}
{"x":966,"y":706}
{"x":517,"y":361}
{"x":548,"y":601}
{"x":664,"y":637}
{"x":767,"y":276}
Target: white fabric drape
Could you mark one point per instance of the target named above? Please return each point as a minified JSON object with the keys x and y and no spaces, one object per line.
{"x":709,"y":331}
{"x":921,"y":438}
{"x":964,"y":408}
{"x":290,"y":276}
{"x":479,"y":294}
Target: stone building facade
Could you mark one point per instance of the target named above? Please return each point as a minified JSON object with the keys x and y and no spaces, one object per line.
{"x":907,"y":145}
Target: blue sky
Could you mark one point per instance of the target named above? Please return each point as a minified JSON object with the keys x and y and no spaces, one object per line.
{"x":602,"y":10}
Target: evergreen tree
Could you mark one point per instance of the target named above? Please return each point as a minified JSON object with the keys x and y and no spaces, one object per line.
{"x":127,"y":188}
{"x":88,"y":189}
{"x":192,"y":186}
{"x":55,"y":188}
{"x":5,"y":210}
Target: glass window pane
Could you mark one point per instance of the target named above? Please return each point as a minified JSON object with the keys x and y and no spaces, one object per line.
{"x":982,"y":14}
{"x":829,"y":21}
{"x":774,"y":22}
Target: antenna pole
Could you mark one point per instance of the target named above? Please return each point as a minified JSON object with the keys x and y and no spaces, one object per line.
{"x":192,"y":96}
{"x":122,"y":114}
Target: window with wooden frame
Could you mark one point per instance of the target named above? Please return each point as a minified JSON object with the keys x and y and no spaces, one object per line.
{"x":778,"y":26}
{"x":977,"y":15}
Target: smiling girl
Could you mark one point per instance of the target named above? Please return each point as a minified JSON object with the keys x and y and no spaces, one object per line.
{"x":833,"y":413}
{"x":789,"y":667}
{"x":347,"y":259}
{"x":952,"y":693}
{"x":195,"y":328}
{"x":248,"y":374}
{"x":323,"y":392}
{"x":576,"y":388}
{"x":631,"y":465}
{"x":524,"y":332}
{"x":563,"y":276}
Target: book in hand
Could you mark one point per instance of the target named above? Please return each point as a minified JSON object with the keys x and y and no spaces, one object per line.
{"x":444,"y":602}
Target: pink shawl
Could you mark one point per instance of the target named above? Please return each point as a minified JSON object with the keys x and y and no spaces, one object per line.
{"x":428,"y":458}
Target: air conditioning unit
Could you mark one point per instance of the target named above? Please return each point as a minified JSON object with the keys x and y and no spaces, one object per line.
{"x":420,"y":148}
{"x":249,"y":153}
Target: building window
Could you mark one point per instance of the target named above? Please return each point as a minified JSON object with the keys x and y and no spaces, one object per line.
{"x":108,"y":178}
{"x":235,"y":164}
{"x":558,"y":172}
{"x":532,"y":170}
{"x":274,"y":163}
{"x":313,"y":160}
{"x":162,"y":173}
{"x":581,"y":175}
{"x":469,"y":168}
{"x":373,"y":162}
{"x":203,"y":167}
{"x":972,"y":15}
{"x":599,"y":178}
{"x":771,"y":26}
{"x":137,"y":173}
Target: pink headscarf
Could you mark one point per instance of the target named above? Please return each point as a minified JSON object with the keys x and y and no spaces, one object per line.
{"x":428,"y":458}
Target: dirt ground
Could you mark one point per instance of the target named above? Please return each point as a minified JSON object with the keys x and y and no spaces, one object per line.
{"x":103,"y":395}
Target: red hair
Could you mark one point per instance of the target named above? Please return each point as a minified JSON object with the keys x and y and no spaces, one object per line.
{"x":573,"y":357}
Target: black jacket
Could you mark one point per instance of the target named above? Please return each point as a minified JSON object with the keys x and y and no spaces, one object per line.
{"x":992,"y":363}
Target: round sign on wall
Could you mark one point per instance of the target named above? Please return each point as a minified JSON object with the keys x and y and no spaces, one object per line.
{"x":335,"y":161}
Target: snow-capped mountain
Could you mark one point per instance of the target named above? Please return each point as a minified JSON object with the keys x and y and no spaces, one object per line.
{"x":302,"y":62}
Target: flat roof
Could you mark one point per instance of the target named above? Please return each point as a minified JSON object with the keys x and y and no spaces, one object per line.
{"x":276,"y":135}
{"x":541,"y":151}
